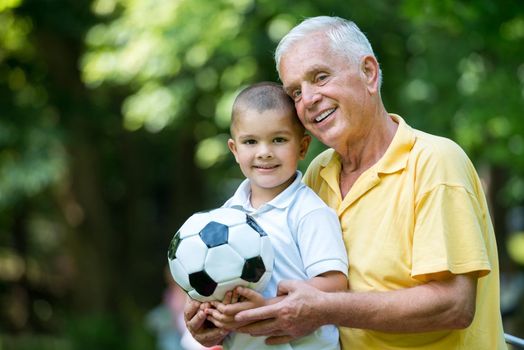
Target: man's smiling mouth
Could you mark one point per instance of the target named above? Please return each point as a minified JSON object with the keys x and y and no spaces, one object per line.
{"x":324,"y":115}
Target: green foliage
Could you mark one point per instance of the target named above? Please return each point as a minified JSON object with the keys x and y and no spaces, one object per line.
{"x":31,"y":158}
{"x":32,"y":342}
{"x":115,"y":116}
{"x":465,"y":79}
{"x":96,"y":331}
{"x":29,"y":162}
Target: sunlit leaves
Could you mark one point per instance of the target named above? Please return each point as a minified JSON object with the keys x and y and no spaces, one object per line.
{"x":472,"y":70}
{"x":223,"y":109}
{"x":12,"y":266}
{"x":154,"y":106}
{"x":13,"y":36}
{"x":9,"y":4}
{"x":206,"y":79}
{"x":419,"y":90}
{"x":103,"y":7}
{"x":141,"y":58}
{"x":279,"y":26}
{"x":154,"y":53}
{"x":211,"y":150}
{"x":513,"y":29}
{"x":515,"y":246}
{"x":172,"y":33}
{"x":243,"y":70}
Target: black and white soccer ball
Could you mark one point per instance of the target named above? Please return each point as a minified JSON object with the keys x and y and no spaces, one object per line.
{"x":215,"y":251}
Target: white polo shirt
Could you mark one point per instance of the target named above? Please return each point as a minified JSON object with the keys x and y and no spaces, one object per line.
{"x":307,"y":241}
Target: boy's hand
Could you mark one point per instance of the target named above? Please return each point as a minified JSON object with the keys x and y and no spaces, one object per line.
{"x":223,"y":313}
{"x":195,"y":318}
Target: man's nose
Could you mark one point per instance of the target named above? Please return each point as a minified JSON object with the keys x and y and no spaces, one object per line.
{"x":310,"y":95}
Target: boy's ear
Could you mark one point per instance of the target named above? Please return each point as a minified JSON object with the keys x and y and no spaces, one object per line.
{"x":233,"y":148}
{"x":304,"y":145}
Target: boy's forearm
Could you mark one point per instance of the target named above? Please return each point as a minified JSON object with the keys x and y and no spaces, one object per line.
{"x":274,"y":300}
{"x":332,"y":281}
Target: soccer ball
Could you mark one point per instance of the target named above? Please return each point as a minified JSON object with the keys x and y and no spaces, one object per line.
{"x":215,"y":251}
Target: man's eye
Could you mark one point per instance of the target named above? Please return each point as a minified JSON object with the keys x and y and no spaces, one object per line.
{"x":321,"y":77}
{"x":295,"y":95}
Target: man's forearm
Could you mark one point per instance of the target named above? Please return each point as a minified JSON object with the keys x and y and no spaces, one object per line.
{"x":433,"y":306}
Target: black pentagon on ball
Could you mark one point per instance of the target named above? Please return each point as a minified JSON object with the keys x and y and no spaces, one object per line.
{"x":202,"y":283}
{"x":214,"y":234}
{"x":251,"y":222}
{"x":173,"y":246}
{"x":253,"y":269}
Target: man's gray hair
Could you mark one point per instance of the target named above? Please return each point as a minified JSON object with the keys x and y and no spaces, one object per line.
{"x":344,"y":35}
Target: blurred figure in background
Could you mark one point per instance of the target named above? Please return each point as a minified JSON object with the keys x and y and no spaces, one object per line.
{"x":167,"y":320}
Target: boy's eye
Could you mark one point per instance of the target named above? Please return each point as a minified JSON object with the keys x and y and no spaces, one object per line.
{"x":279,"y":140}
{"x":249,"y":142}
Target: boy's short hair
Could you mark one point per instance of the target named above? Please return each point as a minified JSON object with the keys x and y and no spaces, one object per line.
{"x":261,"y":97}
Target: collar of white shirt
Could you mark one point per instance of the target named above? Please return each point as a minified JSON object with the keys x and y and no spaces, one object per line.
{"x":241,"y":198}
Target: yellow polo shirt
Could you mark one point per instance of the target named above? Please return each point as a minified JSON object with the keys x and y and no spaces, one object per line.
{"x":418,"y":211}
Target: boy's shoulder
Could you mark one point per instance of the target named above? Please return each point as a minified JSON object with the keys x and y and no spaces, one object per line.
{"x":306,"y":200}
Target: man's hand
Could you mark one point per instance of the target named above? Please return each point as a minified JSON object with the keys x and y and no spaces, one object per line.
{"x":195,"y":319}
{"x":294,"y":316}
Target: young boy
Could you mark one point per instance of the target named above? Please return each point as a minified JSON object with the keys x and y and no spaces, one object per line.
{"x":268,"y":140}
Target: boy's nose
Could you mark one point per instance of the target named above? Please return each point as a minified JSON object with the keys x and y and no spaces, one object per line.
{"x":264,"y":151}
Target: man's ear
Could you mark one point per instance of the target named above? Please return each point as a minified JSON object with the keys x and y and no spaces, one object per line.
{"x":371,"y":73}
{"x":304,"y":145}
{"x":233,"y":148}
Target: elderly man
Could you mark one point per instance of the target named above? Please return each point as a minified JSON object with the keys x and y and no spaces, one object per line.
{"x":423,"y":265}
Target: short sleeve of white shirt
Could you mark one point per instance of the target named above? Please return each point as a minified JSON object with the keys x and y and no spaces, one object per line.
{"x":322,"y":249}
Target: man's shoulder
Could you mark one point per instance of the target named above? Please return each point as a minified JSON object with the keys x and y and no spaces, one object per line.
{"x":322,"y":159}
{"x":438,"y":148}
{"x":312,"y":176}
{"x":441,"y":157}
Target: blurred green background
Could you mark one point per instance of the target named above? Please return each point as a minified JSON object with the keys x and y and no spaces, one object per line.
{"x":113,"y":126}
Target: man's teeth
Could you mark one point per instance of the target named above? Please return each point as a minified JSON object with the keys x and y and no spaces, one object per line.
{"x":324,"y":115}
